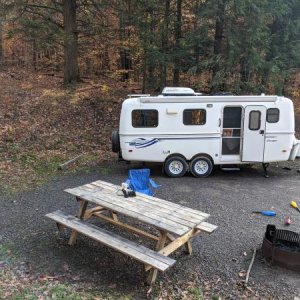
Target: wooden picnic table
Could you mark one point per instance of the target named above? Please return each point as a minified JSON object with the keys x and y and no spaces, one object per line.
{"x":176,"y":224}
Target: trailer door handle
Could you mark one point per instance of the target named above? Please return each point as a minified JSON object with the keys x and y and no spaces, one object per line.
{"x":262,"y":132}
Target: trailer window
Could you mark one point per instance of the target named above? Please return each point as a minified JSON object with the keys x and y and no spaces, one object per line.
{"x":144,"y":118}
{"x":194,"y":116}
{"x":254,"y":120}
{"x":231,"y":133}
{"x":272,"y":115}
{"x":232,"y":117}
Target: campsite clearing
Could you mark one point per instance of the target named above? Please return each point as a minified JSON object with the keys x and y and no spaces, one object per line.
{"x":213,"y":269}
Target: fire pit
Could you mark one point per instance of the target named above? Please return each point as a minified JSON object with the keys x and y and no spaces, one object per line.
{"x":282,"y":247}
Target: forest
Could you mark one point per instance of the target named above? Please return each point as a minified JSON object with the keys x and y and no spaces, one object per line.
{"x":237,"y":46}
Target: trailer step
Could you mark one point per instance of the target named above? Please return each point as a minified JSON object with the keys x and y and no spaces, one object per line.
{"x":230,"y":168}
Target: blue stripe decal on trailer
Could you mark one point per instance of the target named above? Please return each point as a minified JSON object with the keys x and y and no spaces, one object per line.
{"x":143,"y":143}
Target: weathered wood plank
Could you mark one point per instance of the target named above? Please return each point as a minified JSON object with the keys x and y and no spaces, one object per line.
{"x":82,"y":209}
{"x":114,"y":241}
{"x":121,"y":206}
{"x":160,"y":244}
{"x":144,"y":205}
{"x":158,"y":201}
{"x":170,"y":248}
{"x":189,"y":247}
{"x":207,"y":227}
{"x":167,"y":212}
{"x":89,"y":212}
{"x":161,"y":213}
{"x":139,"y":207}
{"x":126,"y":226}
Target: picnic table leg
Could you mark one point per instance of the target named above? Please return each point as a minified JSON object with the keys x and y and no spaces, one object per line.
{"x":160,"y":244}
{"x":83,"y":205}
{"x":89,"y":212}
{"x":114,"y":216}
{"x":189,"y":247}
{"x":188,"y":244}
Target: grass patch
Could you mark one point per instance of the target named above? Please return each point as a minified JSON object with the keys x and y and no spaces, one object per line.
{"x":35,"y":291}
{"x":65,"y":292}
{"x":196,"y":293}
{"x":24,"y":171}
{"x":5,"y":254}
{"x":23,"y":288}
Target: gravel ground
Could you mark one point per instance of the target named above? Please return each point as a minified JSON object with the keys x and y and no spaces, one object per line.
{"x":217,"y":259}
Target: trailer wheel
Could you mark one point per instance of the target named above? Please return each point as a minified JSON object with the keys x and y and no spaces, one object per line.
{"x":115,"y":141}
{"x":201,"y":166}
{"x":176,"y":166}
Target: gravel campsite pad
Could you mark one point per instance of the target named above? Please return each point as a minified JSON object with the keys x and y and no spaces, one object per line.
{"x":219,"y":262}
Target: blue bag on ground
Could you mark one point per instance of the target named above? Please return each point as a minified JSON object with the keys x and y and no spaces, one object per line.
{"x":139,"y":181}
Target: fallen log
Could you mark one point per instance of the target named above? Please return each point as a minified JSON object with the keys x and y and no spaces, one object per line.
{"x":67,"y":163}
{"x":250,"y":267}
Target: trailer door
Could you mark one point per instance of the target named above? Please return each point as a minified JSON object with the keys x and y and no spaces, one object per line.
{"x":254,"y":133}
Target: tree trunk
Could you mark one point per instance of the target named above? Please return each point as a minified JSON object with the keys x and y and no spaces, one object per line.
{"x":34,"y":54}
{"x":144,"y":75}
{"x":219,"y":35}
{"x":244,"y":75}
{"x":152,"y":80}
{"x":176,"y":69}
{"x":164,"y":45}
{"x":197,"y":42}
{"x":71,"y":72}
{"x":124,"y":37}
{"x":1,"y":41}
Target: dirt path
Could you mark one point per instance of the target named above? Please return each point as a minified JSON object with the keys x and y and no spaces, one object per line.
{"x":217,"y":259}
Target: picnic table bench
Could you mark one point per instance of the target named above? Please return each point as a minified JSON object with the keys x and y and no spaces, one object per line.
{"x":176,"y":224}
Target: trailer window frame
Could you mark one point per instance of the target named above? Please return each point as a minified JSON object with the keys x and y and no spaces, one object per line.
{"x":232,"y":126}
{"x":155,"y":124}
{"x":254,"y":128}
{"x":272,"y":114}
{"x":185,"y":118}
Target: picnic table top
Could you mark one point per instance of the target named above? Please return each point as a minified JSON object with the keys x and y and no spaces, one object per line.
{"x":162,"y":214}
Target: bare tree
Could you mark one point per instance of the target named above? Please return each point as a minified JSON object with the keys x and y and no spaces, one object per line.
{"x":71,"y":71}
{"x":1,"y":40}
{"x":176,"y":69}
{"x":164,"y":44}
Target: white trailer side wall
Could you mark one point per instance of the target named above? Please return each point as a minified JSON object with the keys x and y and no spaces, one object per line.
{"x":171,"y":136}
{"x":279,"y":136}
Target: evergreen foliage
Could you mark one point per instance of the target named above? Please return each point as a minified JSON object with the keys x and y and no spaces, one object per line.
{"x":241,"y":46}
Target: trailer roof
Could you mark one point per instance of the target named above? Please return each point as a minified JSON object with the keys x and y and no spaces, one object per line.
{"x":209,"y":99}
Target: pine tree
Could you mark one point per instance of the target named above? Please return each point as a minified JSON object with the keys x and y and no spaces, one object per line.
{"x":283,"y":54}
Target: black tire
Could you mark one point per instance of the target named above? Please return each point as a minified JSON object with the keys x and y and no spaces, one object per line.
{"x":176,"y":166}
{"x":201,"y":166}
{"x":115,"y":141}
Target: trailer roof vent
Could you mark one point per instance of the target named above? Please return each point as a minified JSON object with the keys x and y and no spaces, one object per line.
{"x":178,"y":91}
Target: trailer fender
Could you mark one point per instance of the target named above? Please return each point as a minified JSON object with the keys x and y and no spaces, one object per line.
{"x":205,"y":155}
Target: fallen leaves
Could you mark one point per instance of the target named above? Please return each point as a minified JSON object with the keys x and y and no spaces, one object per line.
{"x":242,"y":273}
{"x":43,"y":124}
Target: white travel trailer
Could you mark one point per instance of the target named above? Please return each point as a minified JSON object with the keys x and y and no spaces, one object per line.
{"x":189,"y":132}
